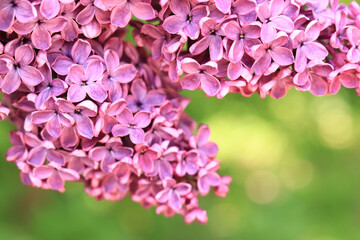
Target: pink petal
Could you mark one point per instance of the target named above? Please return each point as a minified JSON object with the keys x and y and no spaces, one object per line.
{"x":283,"y":23}
{"x":61,"y":65}
{"x":209,"y":84}
{"x":190,"y":65}
{"x":142,"y":119}
{"x":43,"y":172}
{"x":96,"y":92}
{"x":37,"y":156}
{"x":121,"y":15}
{"x":216,"y":48}
{"x":55,"y":181}
{"x":42,"y":116}
{"x":7,"y":15}
{"x":315,"y":51}
{"x":268,"y":32}
{"x":11,"y":82}
{"x":30,"y":75}
{"x":146,"y":164}
{"x":191,"y":81}
{"x":86,"y":15}
{"x":282,"y":56}
{"x":84,"y":126}
{"x":142,"y":10}
{"x":25,"y":11}
{"x":125,"y":73}
{"x":262,"y":64}
{"x":49,"y":8}
{"x":183,"y":188}
{"x":54,"y":127}
{"x":174,"y":200}
{"x":200,"y":46}
{"x":56,"y":157}
{"x":223,"y":5}
{"x":137,"y":135}
{"x":92,"y":29}
{"x":300,"y":60}
{"x":76,"y":93}
{"x":41,"y":38}
{"x":24,"y":55}
{"x":80,"y":51}
{"x":120,"y":130}
{"x":55,"y":24}
{"x":173,"y":24}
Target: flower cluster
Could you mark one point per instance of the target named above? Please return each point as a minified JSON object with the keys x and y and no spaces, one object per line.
{"x":92,"y":108}
{"x":264,"y":46}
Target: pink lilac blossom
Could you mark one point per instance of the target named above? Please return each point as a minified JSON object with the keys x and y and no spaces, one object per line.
{"x":92,"y":108}
{"x":102,"y":114}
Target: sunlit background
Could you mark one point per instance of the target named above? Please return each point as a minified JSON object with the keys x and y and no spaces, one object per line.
{"x":295,"y":164}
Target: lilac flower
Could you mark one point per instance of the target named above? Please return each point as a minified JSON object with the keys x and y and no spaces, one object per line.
{"x":353,"y":54}
{"x":306,"y":47}
{"x":314,"y":78}
{"x":116,"y":74}
{"x":212,"y":39}
{"x":196,"y":214}
{"x":145,"y":157}
{"x":141,"y":99}
{"x":200,"y":75}
{"x":53,"y":118}
{"x":81,"y":114}
{"x":55,"y":176}
{"x":23,"y":10}
{"x":19,"y":70}
{"x":201,"y":143}
{"x":270,"y":14}
{"x":132,"y":125}
{"x":172,"y":193}
{"x":187,"y":163}
{"x":41,"y":30}
{"x":272,"y":51}
{"x":244,"y":38}
{"x":208,"y":177}
{"x":80,"y":53}
{"x":45,"y":150}
{"x":112,"y":151}
{"x":123,"y":10}
{"x":85,"y":81}
{"x":185,"y":20}
{"x":91,"y":18}
{"x":338,"y":37}
{"x":71,"y":30}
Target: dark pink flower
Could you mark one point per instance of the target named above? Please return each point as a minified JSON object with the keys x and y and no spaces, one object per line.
{"x":243,"y":38}
{"x":275,"y":51}
{"x":80,"y":53}
{"x":212,"y":39}
{"x":81,"y":113}
{"x":53,"y":118}
{"x":41,"y":30}
{"x":270,"y":14}
{"x":306,"y":46}
{"x":19,"y":70}
{"x":85,"y":81}
{"x":142,"y":99}
{"x":108,"y":154}
{"x":172,"y":193}
{"x":185,"y":19}
{"x":353,"y":35}
{"x":116,"y":74}
{"x":55,"y":176}
{"x":23,"y":10}
{"x":200,"y":75}
{"x":132,"y":125}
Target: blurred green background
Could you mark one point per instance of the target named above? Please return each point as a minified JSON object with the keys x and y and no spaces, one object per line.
{"x":295,"y":164}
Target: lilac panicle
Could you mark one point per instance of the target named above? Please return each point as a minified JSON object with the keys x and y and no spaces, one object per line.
{"x":90,"y":107}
